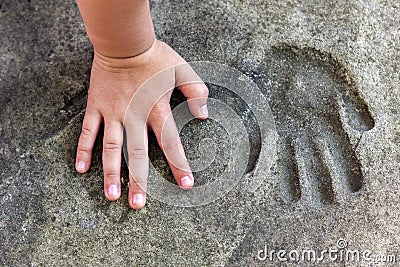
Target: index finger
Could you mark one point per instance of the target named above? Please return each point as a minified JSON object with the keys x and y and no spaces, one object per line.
{"x":167,"y":135}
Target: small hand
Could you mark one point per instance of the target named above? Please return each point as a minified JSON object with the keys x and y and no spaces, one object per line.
{"x":113,"y":83}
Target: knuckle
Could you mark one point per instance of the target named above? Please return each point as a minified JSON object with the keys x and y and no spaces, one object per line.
{"x":199,"y":93}
{"x":112,"y":147}
{"x":87,"y":132}
{"x":137,"y":153}
{"x":83,"y":149}
{"x":110,"y":174}
{"x":197,"y":90}
{"x":202,"y":90}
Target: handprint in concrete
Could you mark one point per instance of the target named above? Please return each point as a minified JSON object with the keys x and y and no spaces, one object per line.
{"x":315,"y":101}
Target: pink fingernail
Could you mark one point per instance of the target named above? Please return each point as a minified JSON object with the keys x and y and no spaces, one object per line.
{"x":186,"y":181}
{"x":204,"y":111}
{"x":138,"y":200}
{"x":81,"y":166}
{"x":113,"y":190}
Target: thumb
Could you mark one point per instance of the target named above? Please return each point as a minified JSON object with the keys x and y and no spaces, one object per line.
{"x":194,"y":89}
{"x":196,"y":95}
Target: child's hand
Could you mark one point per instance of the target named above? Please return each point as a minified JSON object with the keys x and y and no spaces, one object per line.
{"x":113,"y":83}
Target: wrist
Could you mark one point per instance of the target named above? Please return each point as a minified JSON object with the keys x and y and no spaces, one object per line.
{"x":126,"y":48}
{"x":118,"y":28}
{"x":111,"y":63}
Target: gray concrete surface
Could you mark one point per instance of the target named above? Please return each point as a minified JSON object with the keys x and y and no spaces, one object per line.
{"x":330,"y":73}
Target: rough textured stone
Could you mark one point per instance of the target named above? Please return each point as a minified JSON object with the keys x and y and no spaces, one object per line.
{"x":330,"y":73}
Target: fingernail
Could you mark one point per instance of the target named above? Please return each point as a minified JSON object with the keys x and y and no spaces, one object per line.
{"x":204,"y":111}
{"x":113,"y":190}
{"x":81,"y":166}
{"x":186,"y":181}
{"x":138,"y":200}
